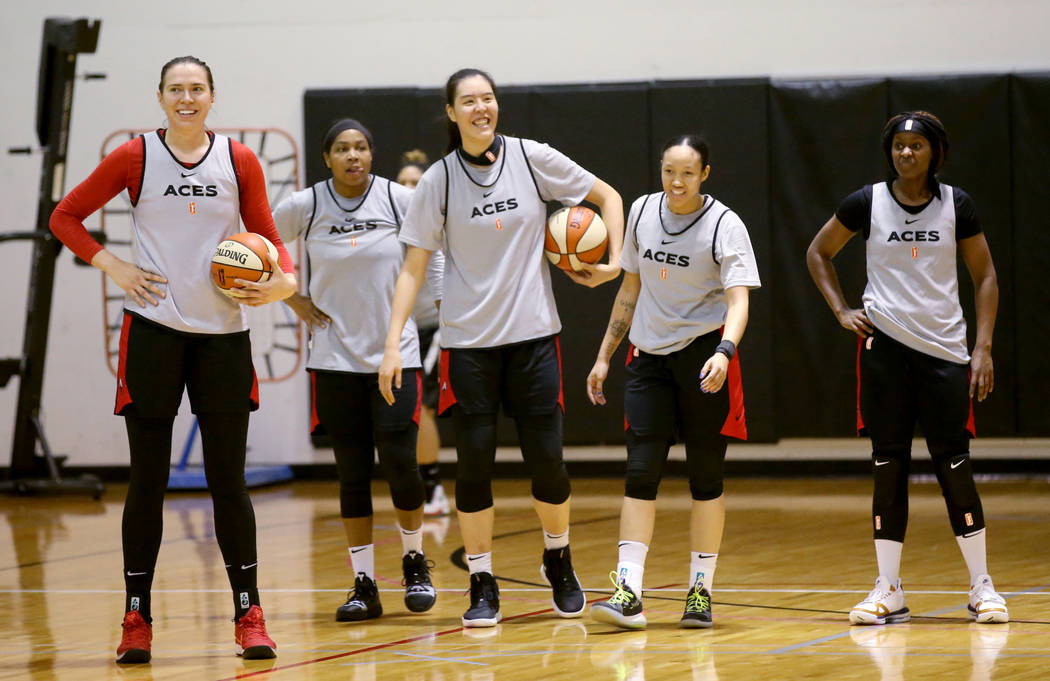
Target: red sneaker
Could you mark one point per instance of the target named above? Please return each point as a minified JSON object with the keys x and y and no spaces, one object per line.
{"x":135,"y":641}
{"x":253,"y":643}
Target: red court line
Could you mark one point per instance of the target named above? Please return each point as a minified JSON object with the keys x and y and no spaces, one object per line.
{"x":391,"y":644}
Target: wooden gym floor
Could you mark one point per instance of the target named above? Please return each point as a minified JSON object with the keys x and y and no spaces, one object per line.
{"x":797,"y":555}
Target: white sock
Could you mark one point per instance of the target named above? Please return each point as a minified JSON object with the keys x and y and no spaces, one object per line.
{"x":411,"y":540}
{"x":631,"y":566}
{"x":888,"y":556}
{"x":702,"y":569}
{"x":363,"y":559}
{"x":555,"y":541}
{"x":972,"y":547}
{"x":480,"y":562}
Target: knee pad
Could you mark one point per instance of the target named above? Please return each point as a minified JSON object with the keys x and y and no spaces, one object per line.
{"x":540,"y":436}
{"x":473,"y":495}
{"x":706,"y":491}
{"x":889,"y":501}
{"x":397,"y":457}
{"x":645,"y":462}
{"x":355,"y":499}
{"x":955,"y":475}
{"x":705,"y":459}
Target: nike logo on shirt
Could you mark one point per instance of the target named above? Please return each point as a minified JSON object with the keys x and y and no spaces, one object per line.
{"x":189,"y":174}
{"x":664,"y":243}
{"x":908,"y":222}
{"x":488,"y":193}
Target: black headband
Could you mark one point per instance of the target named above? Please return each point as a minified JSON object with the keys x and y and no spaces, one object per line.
{"x":917,"y":126}
{"x":341,"y":127}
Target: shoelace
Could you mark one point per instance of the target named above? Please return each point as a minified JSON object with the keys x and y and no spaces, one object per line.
{"x":621,"y":596}
{"x":697,"y":602}
{"x":417,"y":574}
{"x":253,"y":626}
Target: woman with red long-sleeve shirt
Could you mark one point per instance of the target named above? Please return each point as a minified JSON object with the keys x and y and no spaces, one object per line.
{"x":189,"y":189}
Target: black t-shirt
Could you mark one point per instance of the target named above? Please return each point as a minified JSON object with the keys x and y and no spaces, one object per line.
{"x":855,"y":212}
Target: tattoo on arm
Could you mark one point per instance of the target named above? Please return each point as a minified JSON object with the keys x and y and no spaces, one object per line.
{"x":617,"y":328}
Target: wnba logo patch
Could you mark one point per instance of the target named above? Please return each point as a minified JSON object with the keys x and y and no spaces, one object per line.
{"x":244,"y":600}
{"x":135,"y":602}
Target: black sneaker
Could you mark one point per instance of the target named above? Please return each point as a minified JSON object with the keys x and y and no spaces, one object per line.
{"x":362,"y":603}
{"x":568,"y":597}
{"x":419,"y":592}
{"x":697,"y":613}
{"x":624,"y":609}
{"x":484,"y":601}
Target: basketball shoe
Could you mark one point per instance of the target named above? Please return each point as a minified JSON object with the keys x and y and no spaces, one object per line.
{"x":253,"y":643}
{"x":437,"y":502}
{"x":419,"y":592}
{"x":884,"y":605}
{"x":986,"y":605}
{"x":484,"y":601}
{"x":568,"y":598}
{"x":624,"y":609}
{"x":697,"y":613}
{"x":362,"y":603}
{"x":135,"y":639}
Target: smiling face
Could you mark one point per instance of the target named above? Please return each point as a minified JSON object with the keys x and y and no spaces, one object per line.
{"x":682,"y":171}
{"x":350,"y":160}
{"x":912,"y":155}
{"x":185,"y":95}
{"x":475,"y":112}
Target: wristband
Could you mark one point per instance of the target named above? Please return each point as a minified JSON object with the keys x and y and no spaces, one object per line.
{"x":727,"y":348}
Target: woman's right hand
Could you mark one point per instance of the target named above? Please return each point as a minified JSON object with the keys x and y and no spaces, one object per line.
{"x":304,"y":308}
{"x":596,"y":380}
{"x":855,"y":320}
{"x":390,"y":374}
{"x":137,"y":283}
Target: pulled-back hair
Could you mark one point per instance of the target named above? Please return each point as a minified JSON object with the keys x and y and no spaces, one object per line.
{"x":696,"y":142}
{"x":454,"y":138}
{"x":186,"y":60}
{"x":925,"y":124}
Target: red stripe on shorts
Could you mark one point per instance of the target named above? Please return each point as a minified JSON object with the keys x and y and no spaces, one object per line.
{"x":446,"y":398}
{"x":123,"y":395}
{"x":314,"y":419}
{"x":419,"y":396}
{"x":561,"y":383}
{"x":736,"y":421}
{"x":860,"y":419}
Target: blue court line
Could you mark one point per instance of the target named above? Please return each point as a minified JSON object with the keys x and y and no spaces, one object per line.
{"x":932,"y":613}
{"x":441,"y":659}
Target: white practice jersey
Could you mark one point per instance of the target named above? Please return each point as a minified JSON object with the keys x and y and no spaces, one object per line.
{"x":354,"y":257}
{"x":181,"y":215}
{"x":490,"y":223}
{"x":912,"y":293}
{"x":685,"y":262}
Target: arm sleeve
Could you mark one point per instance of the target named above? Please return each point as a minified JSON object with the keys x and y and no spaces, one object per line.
{"x":557,"y":176}
{"x":629,"y":255}
{"x":105,"y":182}
{"x":255,"y":207}
{"x":736,"y":255}
{"x":966,"y":222}
{"x":424,"y":223}
{"x":291,"y":215}
{"x":855,"y":210}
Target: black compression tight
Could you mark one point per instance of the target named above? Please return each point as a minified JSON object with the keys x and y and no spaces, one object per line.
{"x":223,"y":437}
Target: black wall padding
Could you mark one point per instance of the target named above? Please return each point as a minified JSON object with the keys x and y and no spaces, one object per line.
{"x":823,"y":140}
{"x":1030,"y":127}
{"x":731,"y":115}
{"x":976,"y":113}
{"x":784,"y":154}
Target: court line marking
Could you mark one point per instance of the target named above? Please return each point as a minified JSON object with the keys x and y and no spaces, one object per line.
{"x":380,"y":646}
{"x":1032,"y":591}
{"x":932,"y":613}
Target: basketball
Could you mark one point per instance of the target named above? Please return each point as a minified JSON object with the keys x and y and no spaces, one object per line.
{"x":242,"y":256}
{"x":575,"y":235}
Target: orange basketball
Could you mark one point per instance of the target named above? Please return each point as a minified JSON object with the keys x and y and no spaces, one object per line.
{"x":242,"y":256}
{"x":575,"y":235}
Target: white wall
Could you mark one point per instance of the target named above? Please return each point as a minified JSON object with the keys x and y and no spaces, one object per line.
{"x":264,"y":53}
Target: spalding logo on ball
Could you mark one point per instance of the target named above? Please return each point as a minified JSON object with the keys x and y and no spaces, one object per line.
{"x":575,"y":235}
{"x":242,"y":256}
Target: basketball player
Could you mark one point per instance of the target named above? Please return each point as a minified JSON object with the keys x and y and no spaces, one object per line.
{"x":189,"y":188}
{"x":688,"y":267}
{"x":913,"y":363}
{"x":349,"y":224}
{"x":413,"y":165}
{"x":484,"y":206}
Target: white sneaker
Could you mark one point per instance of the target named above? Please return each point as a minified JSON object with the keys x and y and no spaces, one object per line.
{"x":986,"y":605}
{"x":884,"y":605}
{"x":438,"y":504}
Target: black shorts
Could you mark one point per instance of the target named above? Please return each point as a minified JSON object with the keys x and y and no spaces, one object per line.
{"x":157,"y":362}
{"x":662,"y":396}
{"x":430,"y":378}
{"x":345,"y":403}
{"x":525,"y":378}
{"x":899,"y":386}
